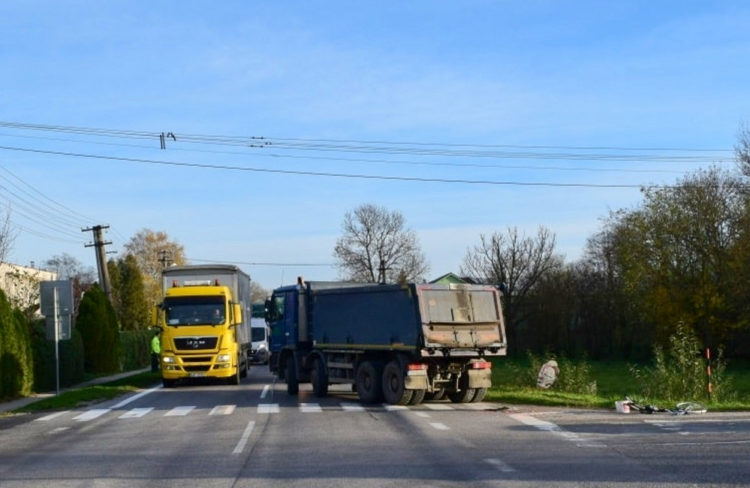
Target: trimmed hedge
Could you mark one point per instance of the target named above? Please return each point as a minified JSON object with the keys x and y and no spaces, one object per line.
{"x":16,"y":360}
{"x":135,"y":351}
{"x":71,"y":359}
{"x":97,"y":323}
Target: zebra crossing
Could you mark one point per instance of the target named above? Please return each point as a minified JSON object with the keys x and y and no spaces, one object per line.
{"x":263,"y":408}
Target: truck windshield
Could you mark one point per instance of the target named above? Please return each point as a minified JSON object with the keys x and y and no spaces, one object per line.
{"x":258,"y":334}
{"x":194,"y":310}
{"x":460,"y":306}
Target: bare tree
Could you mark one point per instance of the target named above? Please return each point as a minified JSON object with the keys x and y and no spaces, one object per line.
{"x":7,"y":236}
{"x":515,"y":261}
{"x":376,"y":247}
{"x":742,"y":149}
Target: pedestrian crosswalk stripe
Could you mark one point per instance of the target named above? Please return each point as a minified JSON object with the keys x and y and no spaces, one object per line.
{"x":310,"y":407}
{"x":135,"y":413}
{"x":268,"y":408}
{"x":52,"y":416}
{"x":438,"y":406}
{"x":179,"y":411}
{"x":91,"y":414}
{"x":222,"y":410}
{"x":352,"y":407}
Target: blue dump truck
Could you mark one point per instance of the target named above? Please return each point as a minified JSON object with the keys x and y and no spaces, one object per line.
{"x":400,"y":344}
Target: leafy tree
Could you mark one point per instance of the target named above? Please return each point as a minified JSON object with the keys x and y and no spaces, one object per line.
{"x":128,"y":293}
{"x":376,"y":247}
{"x":152,"y":251}
{"x":97,"y":323}
{"x":677,"y":255}
{"x":519,"y":263}
{"x":742,"y":149}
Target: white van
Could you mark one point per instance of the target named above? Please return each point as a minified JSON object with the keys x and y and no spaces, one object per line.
{"x":259,"y":353}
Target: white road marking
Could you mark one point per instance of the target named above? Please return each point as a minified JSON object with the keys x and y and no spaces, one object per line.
{"x":179,"y":411}
{"x":268,"y":408}
{"x":392,"y":408}
{"x":135,"y":413}
{"x":439,"y":426}
{"x":58,"y":430}
{"x":352,"y":407}
{"x":136,"y":397}
{"x":222,"y":410}
{"x":51,"y":416}
{"x":555,"y":429}
{"x":265,"y":391}
{"x":245,"y":436}
{"x":310,"y":407}
{"x":92,"y":414}
{"x":424,"y":415}
{"x":438,"y":406}
{"x":500,"y":465}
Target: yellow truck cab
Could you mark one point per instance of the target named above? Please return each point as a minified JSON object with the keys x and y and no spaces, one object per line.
{"x":204,"y":321}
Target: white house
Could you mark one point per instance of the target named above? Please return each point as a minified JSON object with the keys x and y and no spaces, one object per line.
{"x":21,"y":284}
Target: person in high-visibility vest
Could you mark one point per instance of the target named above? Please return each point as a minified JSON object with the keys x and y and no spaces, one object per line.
{"x":155,"y":352}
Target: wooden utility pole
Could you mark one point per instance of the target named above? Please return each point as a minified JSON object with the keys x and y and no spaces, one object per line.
{"x":101,"y":260}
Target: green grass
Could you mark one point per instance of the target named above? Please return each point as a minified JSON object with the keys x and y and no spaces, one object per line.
{"x":513,"y":384}
{"x":88,"y":395}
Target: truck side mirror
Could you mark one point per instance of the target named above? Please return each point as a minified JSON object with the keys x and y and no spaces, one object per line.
{"x":237,"y":310}
{"x":268,"y":312}
{"x":155,"y":316}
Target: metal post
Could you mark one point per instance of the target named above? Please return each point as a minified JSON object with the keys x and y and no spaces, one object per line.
{"x":57,"y":341}
{"x":708,"y":371}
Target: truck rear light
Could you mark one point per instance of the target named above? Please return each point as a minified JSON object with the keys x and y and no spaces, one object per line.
{"x":481,"y":365}
{"x":416,"y":367}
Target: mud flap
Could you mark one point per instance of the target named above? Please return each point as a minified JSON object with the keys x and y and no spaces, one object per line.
{"x":479,"y":378}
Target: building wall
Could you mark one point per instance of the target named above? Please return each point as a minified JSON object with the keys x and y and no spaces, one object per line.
{"x":21,"y":284}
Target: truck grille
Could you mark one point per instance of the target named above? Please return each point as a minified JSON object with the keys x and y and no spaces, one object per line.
{"x":195,"y":343}
{"x":196,"y":369}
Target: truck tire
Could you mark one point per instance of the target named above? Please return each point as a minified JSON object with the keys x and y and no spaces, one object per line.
{"x":292,"y":385}
{"x":417,"y":397}
{"x":235,"y":378}
{"x":368,"y":381}
{"x":479,"y":396}
{"x":464,"y":396}
{"x":245,"y":367}
{"x":394,"y":391}
{"x":436,"y":395}
{"x":168,"y":383}
{"x":319,"y":379}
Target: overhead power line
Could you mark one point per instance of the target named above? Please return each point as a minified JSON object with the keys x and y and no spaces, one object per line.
{"x":327,"y":174}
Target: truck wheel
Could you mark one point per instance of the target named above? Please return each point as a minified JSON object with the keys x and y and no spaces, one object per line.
{"x":168,"y":383}
{"x":245,"y":367}
{"x":319,"y":379}
{"x":479,"y":396}
{"x":417,"y":397}
{"x":235,"y":378}
{"x":393,"y":385}
{"x":463,"y":396}
{"x":436,"y":395}
{"x":368,"y":382}
{"x":292,"y":385}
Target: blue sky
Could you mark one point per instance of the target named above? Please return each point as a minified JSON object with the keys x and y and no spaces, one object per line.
{"x":546,"y":106}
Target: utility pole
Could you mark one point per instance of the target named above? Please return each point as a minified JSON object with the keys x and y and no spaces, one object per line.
{"x":165,"y":258}
{"x":101,"y":260}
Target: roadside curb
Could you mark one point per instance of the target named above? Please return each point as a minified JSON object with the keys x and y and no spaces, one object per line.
{"x":22,"y":402}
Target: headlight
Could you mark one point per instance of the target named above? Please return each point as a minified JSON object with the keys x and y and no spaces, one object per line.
{"x":223,"y":358}
{"x":168,"y":360}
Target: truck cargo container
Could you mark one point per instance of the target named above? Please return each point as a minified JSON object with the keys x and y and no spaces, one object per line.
{"x":398,"y":343}
{"x":205,"y":323}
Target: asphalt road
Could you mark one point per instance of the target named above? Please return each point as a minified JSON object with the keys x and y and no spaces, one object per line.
{"x":255,"y":435}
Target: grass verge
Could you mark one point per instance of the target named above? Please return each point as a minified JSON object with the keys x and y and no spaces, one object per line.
{"x":87,"y":395}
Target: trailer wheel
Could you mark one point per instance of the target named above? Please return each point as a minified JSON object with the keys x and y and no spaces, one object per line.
{"x":479,"y":396}
{"x":368,"y":382}
{"x":463,"y":396}
{"x":292,"y":385}
{"x":436,"y":395}
{"x":394,"y":390}
{"x":319,"y":379}
{"x":417,"y":397}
